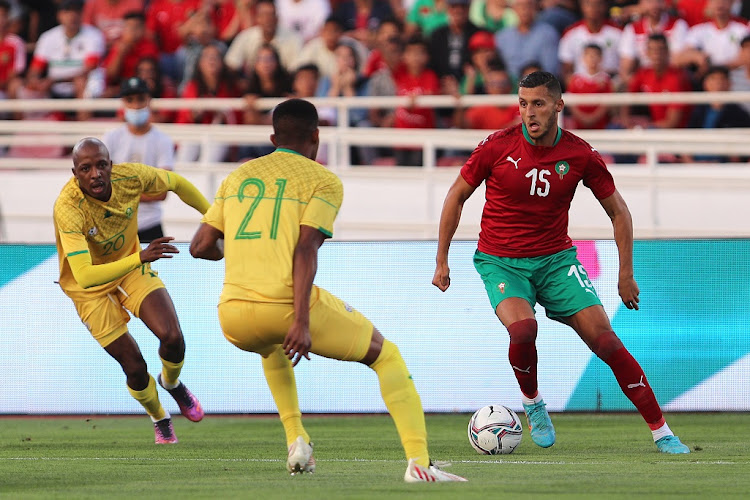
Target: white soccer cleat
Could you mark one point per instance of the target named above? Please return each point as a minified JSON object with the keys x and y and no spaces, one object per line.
{"x":415,"y":473}
{"x":300,"y":458}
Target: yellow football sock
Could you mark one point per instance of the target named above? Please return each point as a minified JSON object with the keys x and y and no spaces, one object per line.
{"x":402,"y":401}
{"x":280,"y":378}
{"x":149,"y":399}
{"x":170,"y":373}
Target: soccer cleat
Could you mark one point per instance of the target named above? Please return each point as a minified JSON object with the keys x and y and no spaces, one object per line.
{"x":300,"y":458}
{"x":540,"y":425}
{"x":671,"y":444}
{"x":189,"y":405}
{"x":415,"y":473}
{"x":164,"y":432}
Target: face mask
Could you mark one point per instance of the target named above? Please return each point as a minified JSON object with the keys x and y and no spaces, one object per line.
{"x":137,"y":117}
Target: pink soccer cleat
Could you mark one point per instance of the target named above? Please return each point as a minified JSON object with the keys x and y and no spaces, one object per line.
{"x":164,"y":432}
{"x":189,"y":405}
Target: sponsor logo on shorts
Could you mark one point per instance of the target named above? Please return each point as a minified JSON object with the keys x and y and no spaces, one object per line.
{"x":501,"y":287}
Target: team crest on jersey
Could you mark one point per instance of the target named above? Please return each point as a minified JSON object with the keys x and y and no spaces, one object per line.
{"x":501,"y":287}
{"x":93,"y":231}
{"x":562,"y":168}
{"x":129,"y":211}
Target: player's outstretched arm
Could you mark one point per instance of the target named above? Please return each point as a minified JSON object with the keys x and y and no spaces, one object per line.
{"x":87,"y":274}
{"x":457,"y":195}
{"x":208,"y":243}
{"x":189,"y":193}
{"x":622,"y":223}
{"x":297,"y":342}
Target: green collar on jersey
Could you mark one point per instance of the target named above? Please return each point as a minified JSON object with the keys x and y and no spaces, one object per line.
{"x":285,"y":150}
{"x":531,"y":141}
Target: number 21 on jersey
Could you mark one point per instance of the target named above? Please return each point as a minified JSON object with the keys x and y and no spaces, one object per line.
{"x":260,"y":186}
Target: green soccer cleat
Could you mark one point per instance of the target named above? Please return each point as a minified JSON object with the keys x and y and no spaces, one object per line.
{"x":540,"y":425}
{"x":672,"y":445}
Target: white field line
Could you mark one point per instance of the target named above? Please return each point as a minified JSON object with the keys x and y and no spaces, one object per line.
{"x":354,"y":460}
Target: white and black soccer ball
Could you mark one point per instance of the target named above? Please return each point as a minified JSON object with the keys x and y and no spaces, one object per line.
{"x":495,"y":430}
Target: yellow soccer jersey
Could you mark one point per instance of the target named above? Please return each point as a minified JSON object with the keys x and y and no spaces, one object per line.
{"x":259,"y":207}
{"x":108,"y":231}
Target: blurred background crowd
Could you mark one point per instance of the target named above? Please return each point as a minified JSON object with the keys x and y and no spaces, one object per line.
{"x":315,"y":48}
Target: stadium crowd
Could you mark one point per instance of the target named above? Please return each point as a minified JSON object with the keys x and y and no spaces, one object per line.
{"x":309,"y":48}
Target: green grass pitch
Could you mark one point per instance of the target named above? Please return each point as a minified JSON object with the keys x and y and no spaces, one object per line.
{"x":596,"y":456}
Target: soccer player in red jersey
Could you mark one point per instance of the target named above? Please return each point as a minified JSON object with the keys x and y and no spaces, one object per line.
{"x":525,"y":255}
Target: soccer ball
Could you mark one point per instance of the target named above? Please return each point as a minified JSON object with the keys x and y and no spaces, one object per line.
{"x":495,"y":430}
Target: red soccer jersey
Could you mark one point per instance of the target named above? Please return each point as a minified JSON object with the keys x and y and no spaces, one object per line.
{"x":583,"y":83}
{"x":426,"y":83}
{"x":164,"y":17}
{"x":672,"y":80}
{"x":529,"y":189}
{"x":143,"y":48}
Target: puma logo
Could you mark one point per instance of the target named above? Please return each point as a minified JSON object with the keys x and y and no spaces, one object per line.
{"x":639,"y":384}
{"x":514,"y":162}
{"x":527,"y":370}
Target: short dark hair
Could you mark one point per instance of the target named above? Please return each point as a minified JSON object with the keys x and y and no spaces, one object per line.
{"x":539,"y":78}
{"x":658,"y":37}
{"x":724,"y":70}
{"x":529,"y":65}
{"x":135,"y":14}
{"x":416,"y":39}
{"x":294,"y":121}
{"x":594,"y":46}
{"x":308,"y":67}
{"x":335,"y":20}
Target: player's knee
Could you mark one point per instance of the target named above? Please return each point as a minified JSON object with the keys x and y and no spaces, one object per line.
{"x":135,"y":369}
{"x":523,"y":332}
{"x":171,"y":335}
{"x":387,"y":351}
{"x":606,"y":344}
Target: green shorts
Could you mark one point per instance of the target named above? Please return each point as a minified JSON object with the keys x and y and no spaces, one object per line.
{"x":558,"y":282}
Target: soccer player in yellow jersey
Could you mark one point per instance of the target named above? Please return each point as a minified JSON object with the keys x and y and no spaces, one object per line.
{"x":272,"y":214}
{"x":106,"y":274}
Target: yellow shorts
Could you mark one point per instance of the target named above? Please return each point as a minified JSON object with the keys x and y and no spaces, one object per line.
{"x":106,"y":316}
{"x":337,"y":330}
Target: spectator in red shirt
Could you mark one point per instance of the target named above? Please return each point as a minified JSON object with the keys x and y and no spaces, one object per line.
{"x":482,"y":52}
{"x":166,"y":21}
{"x":211,"y":79}
{"x":496,"y":82}
{"x":109,"y":16}
{"x":160,"y":86}
{"x":660,"y":77}
{"x":594,"y":80}
{"x":243,"y":17}
{"x":387,"y":29}
{"x":414,"y":79}
{"x":201,"y":32}
{"x":131,"y":47}
{"x":12,"y":56}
